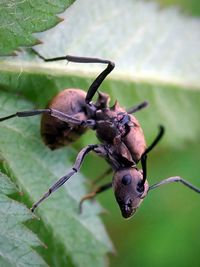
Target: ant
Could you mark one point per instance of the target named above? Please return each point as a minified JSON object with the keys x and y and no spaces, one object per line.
{"x":123,"y":146}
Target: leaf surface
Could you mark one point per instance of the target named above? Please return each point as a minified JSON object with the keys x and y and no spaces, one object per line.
{"x":157,"y":59}
{"x":20,"y":19}
{"x":16,"y":241}
{"x":35,"y":168}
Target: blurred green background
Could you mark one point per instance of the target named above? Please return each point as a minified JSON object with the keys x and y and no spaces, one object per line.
{"x":190,"y":7}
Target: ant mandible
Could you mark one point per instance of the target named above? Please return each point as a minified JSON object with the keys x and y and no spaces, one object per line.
{"x":123,"y":145}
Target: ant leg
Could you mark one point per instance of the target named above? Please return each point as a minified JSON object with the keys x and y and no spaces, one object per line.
{"x":144,"y":155}
{"x":91,"y":195}
{"x":101,"y":176}
{"x":155,"y":142}
{"x":54,"y":113}
{"x":97,"y":82}
{"x":144,"y":168}
{"x":137,"y":107}
{"x":62,"y":180}
{"x":26,"y":114}
{"x":175,"y":179}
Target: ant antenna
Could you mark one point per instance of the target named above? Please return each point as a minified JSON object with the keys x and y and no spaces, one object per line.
{"x":144,"y":155}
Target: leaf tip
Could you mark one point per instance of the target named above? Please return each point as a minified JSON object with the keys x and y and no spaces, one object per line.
{"x":60,"y":19}
{"x":38,"y":42}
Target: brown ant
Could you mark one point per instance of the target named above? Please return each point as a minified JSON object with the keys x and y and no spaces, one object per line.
{"x":123,"y":145}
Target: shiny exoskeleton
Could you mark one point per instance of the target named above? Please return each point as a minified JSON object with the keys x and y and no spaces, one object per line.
{"x":72,"y":112}
{"x":57,"y":133}
{"x":113,"y":125}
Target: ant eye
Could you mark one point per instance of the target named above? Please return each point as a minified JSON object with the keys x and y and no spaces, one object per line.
{"x":126,"y":179}
{"x":140,"y":187}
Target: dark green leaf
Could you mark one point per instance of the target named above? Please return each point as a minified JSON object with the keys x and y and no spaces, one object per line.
{"x":16,"y":241}
{"x":20,"y":19}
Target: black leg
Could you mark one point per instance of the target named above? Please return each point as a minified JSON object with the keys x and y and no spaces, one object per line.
{"x":175,"y":179}
{"x":91,"y":195}
{"x":155,"y":142}
{"x":97,"y":82}
{"x":54,"y":113}
{"x":26,"y":114}
{"x":137,"y":107}
{"x":144,"y":155}
{"x":144,"y":168}
{"x":62,"y":180}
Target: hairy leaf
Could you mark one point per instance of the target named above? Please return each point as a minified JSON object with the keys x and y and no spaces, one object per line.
{"x":20,"y":19}
{"x":16,"y":241}
{"x":157,"y":59}
{"x":35,"y":167}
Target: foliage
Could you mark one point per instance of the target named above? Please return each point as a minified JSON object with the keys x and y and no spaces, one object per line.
{"x":16,"y":241}
{"x":157,"y":59}
{"x":20,"y":19}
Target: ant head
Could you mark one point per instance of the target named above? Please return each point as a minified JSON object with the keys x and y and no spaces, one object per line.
{"x":129,"y":190}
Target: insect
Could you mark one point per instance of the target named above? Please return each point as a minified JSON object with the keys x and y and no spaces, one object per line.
{"x":123,"y":145}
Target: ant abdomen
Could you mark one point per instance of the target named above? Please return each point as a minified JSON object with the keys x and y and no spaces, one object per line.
{"x":56,"y":133}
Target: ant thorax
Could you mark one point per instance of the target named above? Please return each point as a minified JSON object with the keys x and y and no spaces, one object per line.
{"x":114,"y":126}
{"x":111,"y":125}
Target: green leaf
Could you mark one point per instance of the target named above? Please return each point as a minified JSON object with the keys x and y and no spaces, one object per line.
{"x":157,"y":59}
{"x":35,"y":168}
{"x":150,"y":44}
{"x":20,"y":19}
{"x":16,"y":241}
{"x":188,"y":6}
{"x":156,"y":54}
{"x":6,"y":186}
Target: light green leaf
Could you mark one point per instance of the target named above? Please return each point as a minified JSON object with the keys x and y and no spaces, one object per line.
{"x":6,"y":186}
{"x":20,"y":19}
{"x":187,"y":6}
{"x":146,"y":43}
{"x":157,"y":59}
{"x":82,"y":236}
{"x":16,"y":241}
{"x":156,"y":53}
